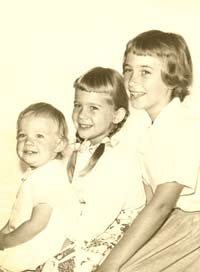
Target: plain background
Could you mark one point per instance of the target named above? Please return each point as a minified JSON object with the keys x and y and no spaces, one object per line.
{"x":45,"y":45}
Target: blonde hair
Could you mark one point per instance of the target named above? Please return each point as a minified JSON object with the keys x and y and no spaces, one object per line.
{"x":47,"y":110}
{"x":101,"y":80}
{"x":172,"y":49}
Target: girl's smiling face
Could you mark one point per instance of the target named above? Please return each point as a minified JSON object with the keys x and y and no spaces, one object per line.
{"x":142,"y":77}
{"x":93,"y":115}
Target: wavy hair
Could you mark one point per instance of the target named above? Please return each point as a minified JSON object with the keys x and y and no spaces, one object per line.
{"x":172,"y":49}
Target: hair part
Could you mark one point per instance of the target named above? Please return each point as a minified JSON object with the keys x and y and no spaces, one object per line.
{"x":42,"y":109}
{"x":173,"y":51}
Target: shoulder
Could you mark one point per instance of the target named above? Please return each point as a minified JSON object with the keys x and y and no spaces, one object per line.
{"x":52,"y":172}
{"x":134,"y":128}
{"x":52,"y":166}
{"x":189,"y":120}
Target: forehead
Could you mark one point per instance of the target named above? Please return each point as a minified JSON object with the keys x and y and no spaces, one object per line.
{"x":143,"y":60}
{"x":92,"y":97}
{"x":38,"y":122}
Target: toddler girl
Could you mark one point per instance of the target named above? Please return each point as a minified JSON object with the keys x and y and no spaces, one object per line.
{"x":45,"y":210}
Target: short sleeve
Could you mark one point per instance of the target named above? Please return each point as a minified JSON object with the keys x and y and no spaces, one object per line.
{"x":174,"y":155}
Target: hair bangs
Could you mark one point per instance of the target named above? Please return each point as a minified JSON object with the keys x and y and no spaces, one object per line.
{"x":96,"y":81}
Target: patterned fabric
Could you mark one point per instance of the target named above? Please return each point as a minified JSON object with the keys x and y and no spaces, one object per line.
{"x":87,"y":257}
{"x":111,"y":196}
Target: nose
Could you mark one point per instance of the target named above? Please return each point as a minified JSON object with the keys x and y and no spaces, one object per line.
{"x":132,"y":79}
{"x":29,"y":140}
{"x":84,"y":113}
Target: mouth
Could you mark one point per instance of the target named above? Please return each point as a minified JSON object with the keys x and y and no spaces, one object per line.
{"x":136,"y":94}
{"x":29,"y":152}
{"x":84,"y":126}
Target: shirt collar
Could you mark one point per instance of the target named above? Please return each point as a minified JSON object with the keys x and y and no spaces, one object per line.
{"x":169,"y":112}
{"x":30,"y":170}
{"x":87,"y":146}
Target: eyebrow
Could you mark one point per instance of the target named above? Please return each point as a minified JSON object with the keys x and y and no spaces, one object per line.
{"x":142,"y":66}
{"x":147,"y":66}
{"x":95,"y":104}
{"x":90,"y":104}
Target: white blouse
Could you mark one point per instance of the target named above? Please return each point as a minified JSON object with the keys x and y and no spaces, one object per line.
{"x":114,"y":183}
{"x":170,"y":152}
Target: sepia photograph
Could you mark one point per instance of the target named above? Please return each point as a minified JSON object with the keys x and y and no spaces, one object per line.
{"x":100,"y":136}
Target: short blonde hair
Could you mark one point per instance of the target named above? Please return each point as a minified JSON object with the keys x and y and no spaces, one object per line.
{"x":172,"y":49}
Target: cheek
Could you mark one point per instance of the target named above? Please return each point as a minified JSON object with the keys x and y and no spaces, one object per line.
{"x":126,"y":81}
{"x":151,"y":87}
{"x":74,"y":116}
{"x":19,"y":146}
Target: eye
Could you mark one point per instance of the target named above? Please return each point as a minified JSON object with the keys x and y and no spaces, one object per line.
{"x":127,"y":70}
{"x":21,"y":136}
{"x":145,"y":72}
{"x":40,"y":136}
{"x":93,"y":108}
{"x":77,"y":105}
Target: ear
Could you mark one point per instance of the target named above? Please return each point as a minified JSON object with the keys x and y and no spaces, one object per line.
{"x":119,"y":115}
{"x":61,"y":145}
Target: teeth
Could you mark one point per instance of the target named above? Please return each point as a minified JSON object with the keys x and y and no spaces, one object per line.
{"x":29,"y":152}
{"x":137,"y":94}
{"x":84,"y":126}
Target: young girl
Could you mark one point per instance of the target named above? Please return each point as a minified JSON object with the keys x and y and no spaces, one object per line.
{"x":45,"y":210}
{"x":107,"y":182}
{"x":165,"y":236}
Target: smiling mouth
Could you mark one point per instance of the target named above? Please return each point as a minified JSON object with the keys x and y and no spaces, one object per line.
{"x":137,"y":94}
{"x":30,"y":152}
{"x":84,"y":126}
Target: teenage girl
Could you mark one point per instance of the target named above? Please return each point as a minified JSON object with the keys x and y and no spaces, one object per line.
{"x":165,"y":236}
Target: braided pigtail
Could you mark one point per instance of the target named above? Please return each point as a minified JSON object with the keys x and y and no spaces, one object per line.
{"x":71,"y":165}
{"x":101,"y":148}
{"x":93,"y":160}
{"x":118,"y":126}
{"x":72,"y":160}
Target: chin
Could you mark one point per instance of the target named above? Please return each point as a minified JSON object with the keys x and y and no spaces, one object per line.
{"x":84,"y":135}
{"x":136,"y":106}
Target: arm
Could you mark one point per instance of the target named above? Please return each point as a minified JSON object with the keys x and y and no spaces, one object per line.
{"x":144,"y":226}
{"x":39,"y":219}
{"x":5,"y":228}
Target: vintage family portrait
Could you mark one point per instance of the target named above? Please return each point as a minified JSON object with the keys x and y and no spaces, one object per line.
{"x":100,"y":136}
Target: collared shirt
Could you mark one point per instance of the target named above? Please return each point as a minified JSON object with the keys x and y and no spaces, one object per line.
{"x":113,"y":184}
{"x":170,"y":152}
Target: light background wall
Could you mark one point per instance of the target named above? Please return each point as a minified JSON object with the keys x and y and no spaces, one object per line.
{"x":46,"y":44}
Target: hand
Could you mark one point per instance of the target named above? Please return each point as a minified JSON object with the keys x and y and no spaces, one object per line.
{"x":2,"y":235}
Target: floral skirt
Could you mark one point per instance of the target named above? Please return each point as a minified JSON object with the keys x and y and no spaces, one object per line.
{"x":90,"y":254}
